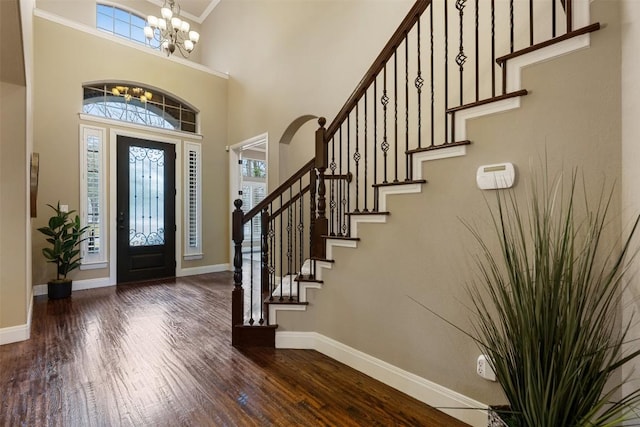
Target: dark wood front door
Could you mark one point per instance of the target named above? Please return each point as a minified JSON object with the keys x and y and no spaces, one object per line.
{"x":146,"y":210}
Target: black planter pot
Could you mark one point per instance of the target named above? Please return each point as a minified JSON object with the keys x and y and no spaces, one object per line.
{"x":58,"y":289}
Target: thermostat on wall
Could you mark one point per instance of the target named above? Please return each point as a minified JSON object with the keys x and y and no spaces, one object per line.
{"x":493,"y":177}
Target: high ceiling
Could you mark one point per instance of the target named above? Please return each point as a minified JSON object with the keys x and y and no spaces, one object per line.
{"x":197,"y":10}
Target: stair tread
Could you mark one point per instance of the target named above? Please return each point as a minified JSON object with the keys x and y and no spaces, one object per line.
{"x":580,"y":31}
{"x":369,"y":213}
{"x":355,"y":239}
{"x":392,"y":184}
{"x":521,"y":92}
{"x":285,"y":300}
{"x":304,"y":278}
{"x":439,"y":147}
{"x":322,"y":259}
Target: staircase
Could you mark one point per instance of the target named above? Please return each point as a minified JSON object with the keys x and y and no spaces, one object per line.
{"x":448,"y":61}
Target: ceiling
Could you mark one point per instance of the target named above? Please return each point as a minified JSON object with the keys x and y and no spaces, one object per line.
{"x":196,"y":10}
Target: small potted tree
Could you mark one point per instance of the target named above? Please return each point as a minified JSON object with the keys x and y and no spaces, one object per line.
{"x":64,"y":234}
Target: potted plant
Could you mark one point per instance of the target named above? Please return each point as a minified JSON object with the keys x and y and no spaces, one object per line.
{"x":547,"y":309}
{"x":64,"y":234}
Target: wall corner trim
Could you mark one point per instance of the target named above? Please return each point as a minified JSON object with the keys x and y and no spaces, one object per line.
{"x":17,"y":333}
{"x":442,"y":398}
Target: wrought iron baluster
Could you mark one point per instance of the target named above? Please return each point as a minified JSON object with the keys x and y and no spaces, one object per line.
{"x":251,"y":290}
{"x":385,"y":144}
{"x":348,"y":167}
{"x":301,"y":226}
{"x":568,"y":4}
{"x":356,"y":158}
{"x":342,"y":201}
{"x":433,"y":92}
{"x":446,"y":71}
{"x":281,"y":248}
{"x":395,"y":114}
{"x":289,"y":243}
{"x":407,"y":171}
{"x":272,"y":255}
{"x":511,"y":27}
{"x":375,"y":143}
{"x":366,"y":189}
{"x":419,"y":82}
{"x":493,"y":48}
{"x":553,"y":18}
{"x":530,"y":22}
{"x":332,"y":189}
{"x":264,"y":252}
{"x":461,"y":58}
{"x":477,"y":16}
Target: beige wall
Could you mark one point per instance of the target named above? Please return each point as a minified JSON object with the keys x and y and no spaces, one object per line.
{"x":630,"y":13}
{"x":13,"y":213}
{"x":289,"y":58}
{"x":59,"y":101}
{"x":573,"y":114}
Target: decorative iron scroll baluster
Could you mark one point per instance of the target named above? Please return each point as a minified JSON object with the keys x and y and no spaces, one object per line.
{"x":446,"y":71}
{"x":281,"y":248}
{"x":419,"y":82}
{"x":356,"y":158}
{"x":433,"y":93}
{"x":385,"y":144}
{"x":348,"y":193}
{"x":477,"y":10}
{"x":375,"y":143}
{"x":395,"y":114}
{"x":342,"y":202}
{"x":407,"y":172}
{"x":264,"y":259}
{"x":493,"y":48}
{"x":461,"y":58}
{"x":289,"y":245}
{"x":333,"y":186}
{"x":272,"y":255}
{"x":366,"y":188}
{"x":511,"y":26}
{"x":251,"y":290}
{"x":301,"y":226}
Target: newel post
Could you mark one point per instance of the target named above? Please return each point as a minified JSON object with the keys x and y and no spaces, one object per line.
{"x":237,"y":296}
{"x":321,"y":226}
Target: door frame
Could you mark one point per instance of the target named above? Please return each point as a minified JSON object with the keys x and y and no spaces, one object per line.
{"x":113,"y":201}
{"x":234,"y":178}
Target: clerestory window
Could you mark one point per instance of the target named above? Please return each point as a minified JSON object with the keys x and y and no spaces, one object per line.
{"x":136,"y":104}
{"x":123,"y":23}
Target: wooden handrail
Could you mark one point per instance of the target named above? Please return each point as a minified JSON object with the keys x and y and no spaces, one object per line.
{"x":281,"y":189}
{"x":387,"y":52}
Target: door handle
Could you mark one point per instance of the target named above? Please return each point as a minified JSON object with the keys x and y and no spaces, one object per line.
{"x":121,"y":221}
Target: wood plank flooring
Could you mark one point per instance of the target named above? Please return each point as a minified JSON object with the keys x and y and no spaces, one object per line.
{"x":160,"y":354}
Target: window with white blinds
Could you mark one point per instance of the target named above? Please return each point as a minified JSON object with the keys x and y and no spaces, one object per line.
{"x":193,"y":201}
{"x":93,"y":197}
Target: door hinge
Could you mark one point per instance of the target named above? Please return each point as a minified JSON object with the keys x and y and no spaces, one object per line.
{"x":175,"y":227}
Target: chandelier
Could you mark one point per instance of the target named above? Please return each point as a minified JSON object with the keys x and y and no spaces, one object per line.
{"x":132,"y":92}
{"x":170,"y":31}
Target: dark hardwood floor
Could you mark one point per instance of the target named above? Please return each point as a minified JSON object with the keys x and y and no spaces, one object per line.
{"x":160,"y":354}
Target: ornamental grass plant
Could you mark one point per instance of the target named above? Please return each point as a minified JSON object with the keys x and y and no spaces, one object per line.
{"x":548,"y":311}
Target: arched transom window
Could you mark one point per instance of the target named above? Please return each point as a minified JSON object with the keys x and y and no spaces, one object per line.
{"x":136,"y":104}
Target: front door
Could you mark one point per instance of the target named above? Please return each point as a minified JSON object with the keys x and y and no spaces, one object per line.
{"x":146,"y":210}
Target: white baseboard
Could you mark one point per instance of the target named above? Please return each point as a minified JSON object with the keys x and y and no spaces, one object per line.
{"x":448,"y":401}
{"x":81,"y":285}
{"x":78,"y":285}
{"x":216,"y":268}
{"x":17,"y":333}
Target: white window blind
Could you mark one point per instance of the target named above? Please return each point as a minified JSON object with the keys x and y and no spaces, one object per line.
{"x":192,"y":201}
{"x":93,"y":197}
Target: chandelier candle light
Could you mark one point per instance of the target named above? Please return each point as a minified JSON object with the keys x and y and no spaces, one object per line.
{"x":171,"y":31}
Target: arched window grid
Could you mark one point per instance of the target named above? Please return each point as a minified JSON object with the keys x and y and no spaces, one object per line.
{"x":127,"y":102}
